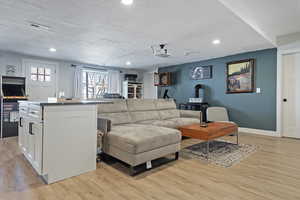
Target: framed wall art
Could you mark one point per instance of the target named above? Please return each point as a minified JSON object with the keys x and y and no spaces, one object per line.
{"x":240,"y":76}
{"x":201,"y":72}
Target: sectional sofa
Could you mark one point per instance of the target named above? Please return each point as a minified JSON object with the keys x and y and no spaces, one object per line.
{"x":138,"y":131}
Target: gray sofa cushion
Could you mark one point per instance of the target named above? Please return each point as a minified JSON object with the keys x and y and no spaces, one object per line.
{"x":116,"y":118}
{"x":190,"y":114}
{"x":162,"y":123}
{"x":144,"y":115}
{"x":163,"y":104}
{"x":140,"y":105}
{"x":166,"y":109}
{"x":116,"y":107}
{"x":136,"y":138}
{"x":116,"y":112}
{"x":169,"y":114}
{"x":142,"y":109}
{"x":172,"y":123}
{"x":184,"y":121}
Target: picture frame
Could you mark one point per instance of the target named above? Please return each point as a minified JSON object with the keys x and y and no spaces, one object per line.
{"x":201,"y":72}
{"x":240,"y":76}
{"x":162,"y":79}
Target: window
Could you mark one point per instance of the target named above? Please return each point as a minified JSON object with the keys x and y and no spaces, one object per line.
{"x":94,"y":84}
{"x":41,"y":74}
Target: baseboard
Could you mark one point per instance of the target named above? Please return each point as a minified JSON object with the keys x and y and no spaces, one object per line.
{"x":260,"y":132}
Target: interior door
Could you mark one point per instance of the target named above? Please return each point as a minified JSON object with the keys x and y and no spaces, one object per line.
{"x":291,"y":95}
{"x":40,"y":79}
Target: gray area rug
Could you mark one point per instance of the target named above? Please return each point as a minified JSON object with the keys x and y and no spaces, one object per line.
{"x":222,"y":153}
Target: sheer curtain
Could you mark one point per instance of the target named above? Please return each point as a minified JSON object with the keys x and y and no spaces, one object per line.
{"x":114,"y":81}
{"x":78,"y":82}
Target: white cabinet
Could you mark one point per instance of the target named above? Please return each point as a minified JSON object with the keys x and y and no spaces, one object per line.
{"x":59,"y":141}
{"x":35,"y":136}
{"x":30,"y":135}
{"x":23,"y":140}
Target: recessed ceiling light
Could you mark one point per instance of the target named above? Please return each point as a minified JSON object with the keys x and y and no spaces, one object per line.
{"x":127,"y":2}
{"x":128,"y":63}
{"x":52,"y":50}
{"x":216,"y":41}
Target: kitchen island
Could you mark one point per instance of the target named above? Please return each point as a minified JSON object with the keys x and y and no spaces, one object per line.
{"x":59,"y":138}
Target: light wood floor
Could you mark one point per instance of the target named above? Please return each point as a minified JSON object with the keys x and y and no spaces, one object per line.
{"x":272,"y":173}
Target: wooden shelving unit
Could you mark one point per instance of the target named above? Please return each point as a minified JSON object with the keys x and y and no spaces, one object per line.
{"x":132,"y":90}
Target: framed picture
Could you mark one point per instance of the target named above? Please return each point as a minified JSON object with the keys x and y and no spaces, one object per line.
{"x":162,"y":79}
{"x":156,"y":79}
{"x":203,"y":72}
{"x":240,"y":76}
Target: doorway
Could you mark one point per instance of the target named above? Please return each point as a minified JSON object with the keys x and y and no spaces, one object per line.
{"x":40,"y":79}
{"x":291,"y":95}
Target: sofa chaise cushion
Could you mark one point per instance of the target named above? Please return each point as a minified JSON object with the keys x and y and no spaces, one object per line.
{"x":136,"y":138}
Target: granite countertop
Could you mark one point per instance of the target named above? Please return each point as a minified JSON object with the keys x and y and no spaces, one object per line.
{"x":67,"y":102}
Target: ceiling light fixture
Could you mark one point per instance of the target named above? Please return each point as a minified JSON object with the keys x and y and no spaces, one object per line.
{"x":216,"y":41}
{"x":52,"y":50}
{"x":128,"y":63}
{"x":127,"y":2}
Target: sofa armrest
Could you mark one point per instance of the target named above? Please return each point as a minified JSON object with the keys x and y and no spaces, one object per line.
{"x":190,"y":114}
{"x":104,"y":125}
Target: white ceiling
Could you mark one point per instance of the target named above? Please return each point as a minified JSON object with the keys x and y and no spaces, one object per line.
{"x":105,"y":32}
{"x":271,"y":18}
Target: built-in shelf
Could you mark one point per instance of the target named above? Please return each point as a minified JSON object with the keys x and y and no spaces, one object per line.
{"x":133,"y":90}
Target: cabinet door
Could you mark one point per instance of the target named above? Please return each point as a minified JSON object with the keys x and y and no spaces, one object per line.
{"x":37,"y":137}
{"x":21,"y":136}
{"x":30,"y":142}
{"x":34,"y":151}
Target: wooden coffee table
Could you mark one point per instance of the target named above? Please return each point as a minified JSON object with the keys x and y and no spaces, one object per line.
{"x":213,"y":131}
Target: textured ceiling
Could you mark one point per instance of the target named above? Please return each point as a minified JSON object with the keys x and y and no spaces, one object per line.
{"x":105,"y":32}
{"x":271,"y":18}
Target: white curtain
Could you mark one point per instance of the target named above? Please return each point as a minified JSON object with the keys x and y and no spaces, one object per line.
{"x":114,"y":81}
{"x":77,"y":82}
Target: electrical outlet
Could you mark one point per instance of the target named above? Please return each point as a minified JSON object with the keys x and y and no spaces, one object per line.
{"x":258,"y":90}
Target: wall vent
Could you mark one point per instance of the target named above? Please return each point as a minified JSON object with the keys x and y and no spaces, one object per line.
{"x":39,"y":26}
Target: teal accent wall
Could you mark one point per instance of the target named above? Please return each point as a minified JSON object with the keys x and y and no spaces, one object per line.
{"x":248,"y":110}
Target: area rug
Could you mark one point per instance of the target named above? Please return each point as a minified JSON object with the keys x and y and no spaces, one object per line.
{"x":222,"y":153}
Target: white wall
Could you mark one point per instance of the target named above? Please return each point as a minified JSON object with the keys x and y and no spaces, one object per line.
{"x":65,"y":72}
{"x":11,"y":59}
{"x":150,"y":91}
